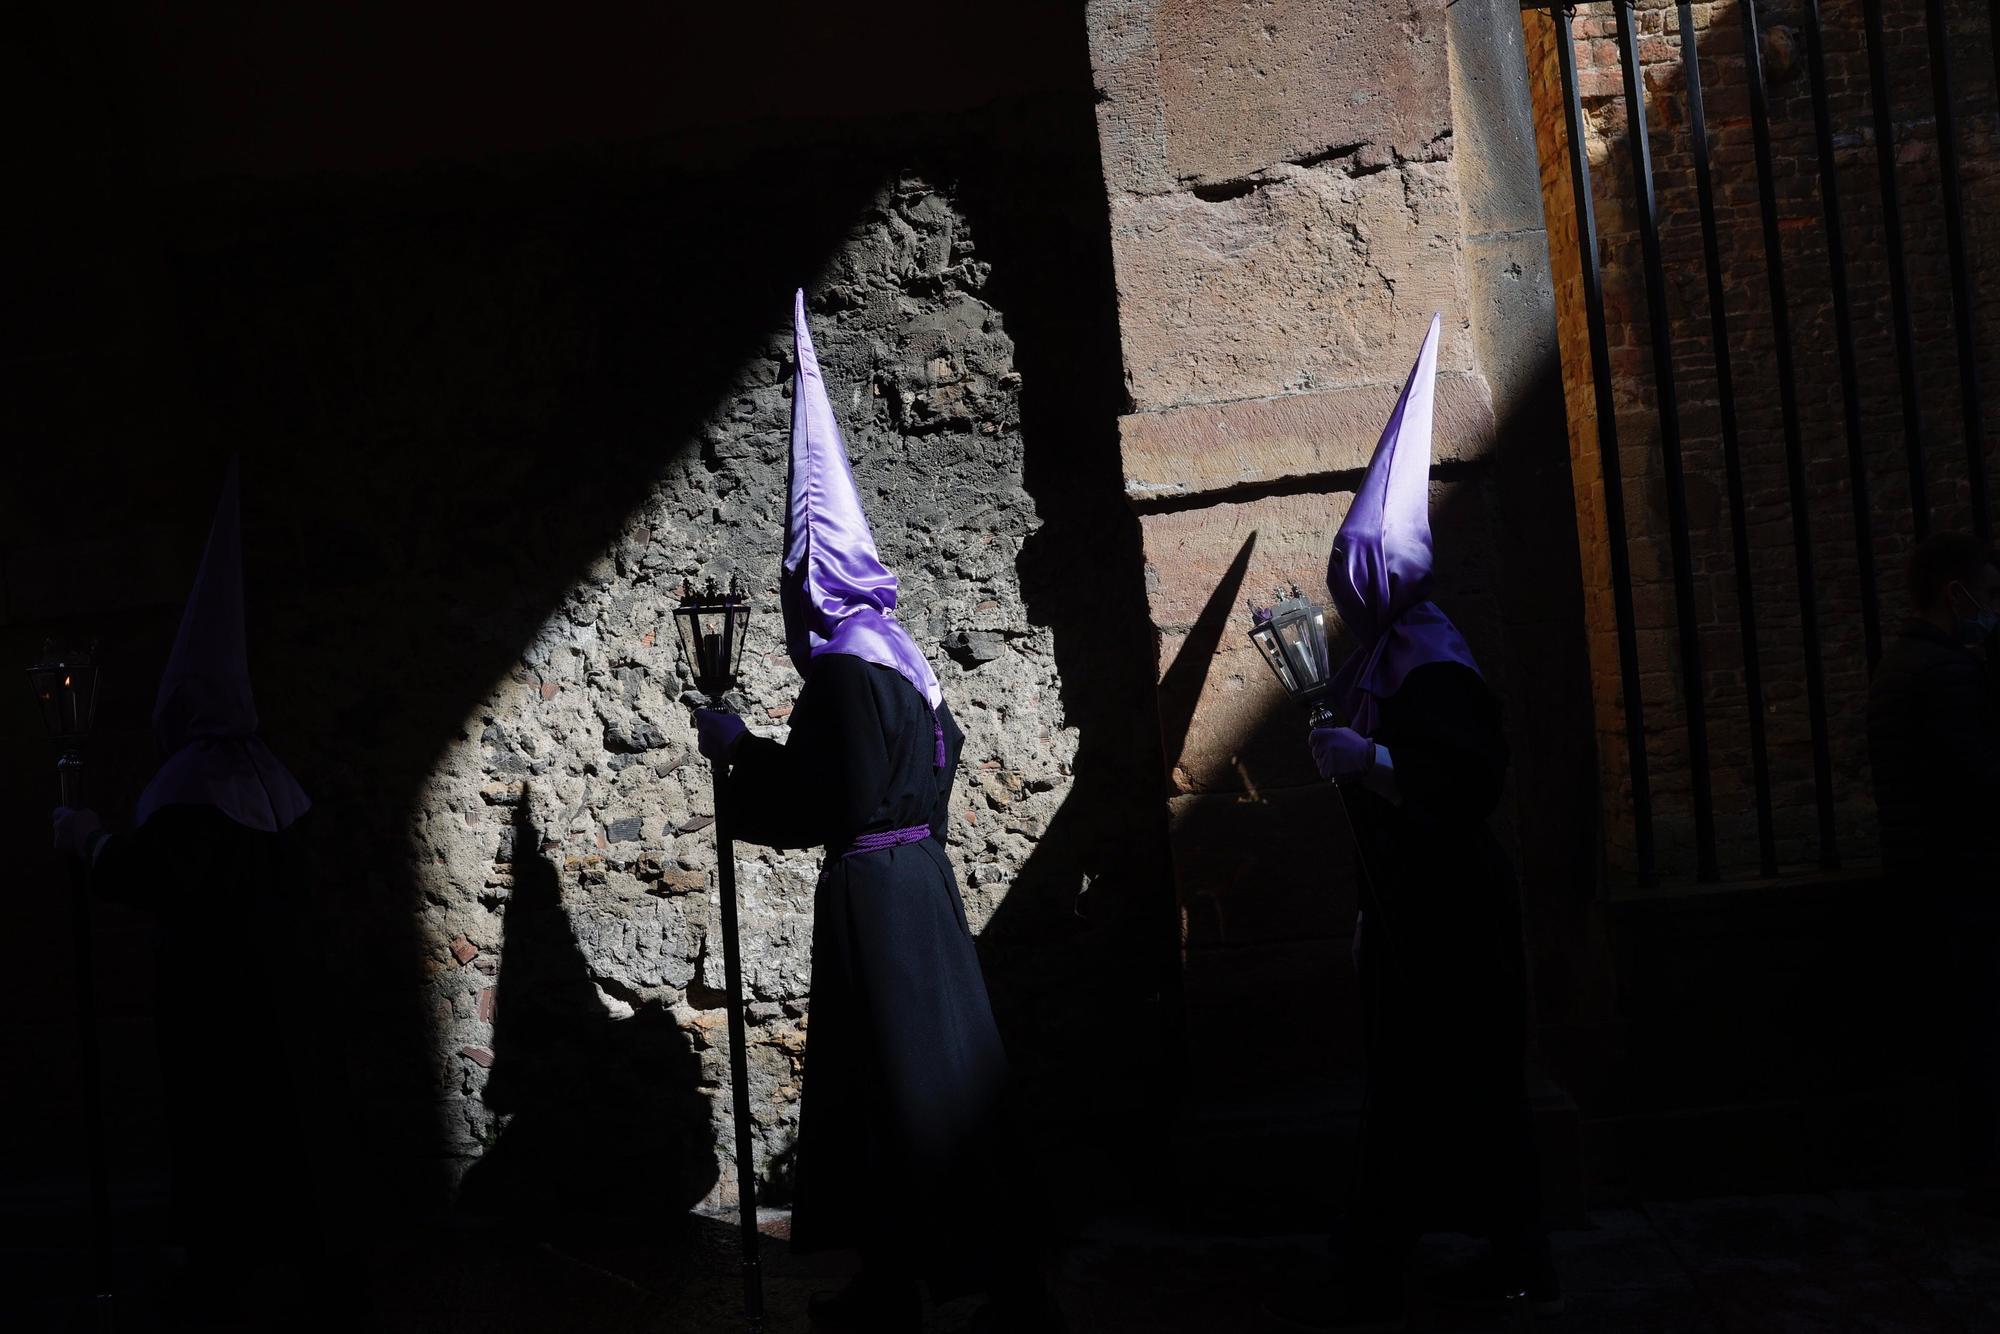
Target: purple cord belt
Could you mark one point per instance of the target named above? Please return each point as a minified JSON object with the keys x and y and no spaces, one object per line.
{"x":885,"y":839}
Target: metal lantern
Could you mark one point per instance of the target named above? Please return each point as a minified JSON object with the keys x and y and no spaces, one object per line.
{"x":65,"y":686}
{"x":1291,"y":634}
{"x":712,"y":625}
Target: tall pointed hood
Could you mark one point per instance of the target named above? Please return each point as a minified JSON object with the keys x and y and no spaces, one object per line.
{"x":837,"y":595}
{"x":1379,"y":574}
{"x":205,"y":715}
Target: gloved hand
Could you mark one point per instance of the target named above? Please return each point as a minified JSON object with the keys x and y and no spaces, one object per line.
{"x":1341,"y":753}
{"x":718,"y":733}
{"x":73,"y":828}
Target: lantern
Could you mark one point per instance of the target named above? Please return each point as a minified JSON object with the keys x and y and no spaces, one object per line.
{"x":712,"y":626}
{"x":65,"y":688}
{"x":1291,"y":634}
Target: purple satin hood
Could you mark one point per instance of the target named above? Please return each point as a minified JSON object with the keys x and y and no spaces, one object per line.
{"x":205,"y":715}
{"x":837,"y":595}
{"x":1380,"y":572}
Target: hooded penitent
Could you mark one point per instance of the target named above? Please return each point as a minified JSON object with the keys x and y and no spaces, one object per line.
{"x":205,"y":716}
{"x":1380,"y":572}
{"x":837,"y":595}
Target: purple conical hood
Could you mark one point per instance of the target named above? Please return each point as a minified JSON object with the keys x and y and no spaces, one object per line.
{"x":205,"y":715}
{"x":837,"y":595}
{"x":1379,"y":574}
{"x":205,"y":690}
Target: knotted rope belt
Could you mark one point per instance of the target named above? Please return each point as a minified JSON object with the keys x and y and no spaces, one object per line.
{"x":885,"y":839}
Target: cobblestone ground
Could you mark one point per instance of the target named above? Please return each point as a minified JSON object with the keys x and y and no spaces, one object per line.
{"x":1879,"y":1261}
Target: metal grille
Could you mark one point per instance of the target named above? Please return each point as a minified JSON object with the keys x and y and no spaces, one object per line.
{"x":1690,"y":113}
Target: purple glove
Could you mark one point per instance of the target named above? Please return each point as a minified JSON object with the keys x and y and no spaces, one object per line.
{"x":1341,"y":753}
{"x":73,"y":827}
{"x":718,"y":733}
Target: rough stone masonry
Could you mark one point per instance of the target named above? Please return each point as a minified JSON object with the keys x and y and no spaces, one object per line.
{"x":582,"y":762}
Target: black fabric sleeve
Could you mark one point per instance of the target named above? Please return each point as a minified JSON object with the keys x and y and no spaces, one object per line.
{"x":132,"y":868}
{"x":1442,"y":731}
{"x":1962,"y":718}
{"x":826,"y":781}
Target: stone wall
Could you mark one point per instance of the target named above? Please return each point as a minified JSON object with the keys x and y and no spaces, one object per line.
{"x":489,"y":415}
{"x":1822,"y":425}
{"x":580,"y":758}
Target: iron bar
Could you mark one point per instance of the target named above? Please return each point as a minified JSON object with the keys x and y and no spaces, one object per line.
{"x":1607,"y":453}
{"x":1795,"y":467}
{"x":739,"y":1061}
{"x":1667,"y":401}
{"x":1732,"y":456}
{"x":1843,"y":336}
{"x":1962,"y":312}
{"x":1899,"y":277}
{"x":100,"y":1313}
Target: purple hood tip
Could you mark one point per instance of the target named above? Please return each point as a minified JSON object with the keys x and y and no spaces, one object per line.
{"x":836,"y":594}
{"x":1379,"y":573}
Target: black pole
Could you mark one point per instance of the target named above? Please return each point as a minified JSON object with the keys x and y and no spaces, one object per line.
{"x":1607,"y":457}
{"x":1962,"y":311}
{"x":1795,"y":463}
{"x":739,"y":1058}
{"x":1732,"y":455}
{"x":1843,"y":335}
{"x":1694,"y":697}
{"x":1899,"y":277}
{"x":69,"y":778}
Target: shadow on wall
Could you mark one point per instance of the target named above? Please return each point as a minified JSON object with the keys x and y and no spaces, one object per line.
{"x":1081,"y":955}
{"x":605,"y":1117}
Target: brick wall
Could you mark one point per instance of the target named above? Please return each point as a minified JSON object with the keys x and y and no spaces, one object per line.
{"x":1829,"y":498}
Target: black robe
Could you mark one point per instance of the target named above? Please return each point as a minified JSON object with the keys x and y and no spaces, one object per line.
{"x":1934,"y":749}
{"x":1446,"y":1137}
{"x":904,"y":1067}
{"x":235,"y":1020}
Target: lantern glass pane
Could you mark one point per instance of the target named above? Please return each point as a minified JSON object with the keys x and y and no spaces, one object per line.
{"x":47,"y":685}
{"x":739,"y":627}
{"x":1316,"y":637}
{"x":84,"y":691}
{"x":684,"y":622}
{"x":1265,"y":637}
{"x":1291,"y":640}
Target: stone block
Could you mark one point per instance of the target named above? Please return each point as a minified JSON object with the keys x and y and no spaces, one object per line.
{"x":1492,"y":116}
{"x":1315,"y":279}
{"x":1225,"y":723}
{"x":1213,"y":447}
{"x":1241,"y":87}
{"x":1189,"y":551}
{"x":1513,"y":305}
{"x":1131,"y":128}
{"x":1254,"y":870}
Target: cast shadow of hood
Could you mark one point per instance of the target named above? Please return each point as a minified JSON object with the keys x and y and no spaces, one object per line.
{"x":603,"y":1117}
